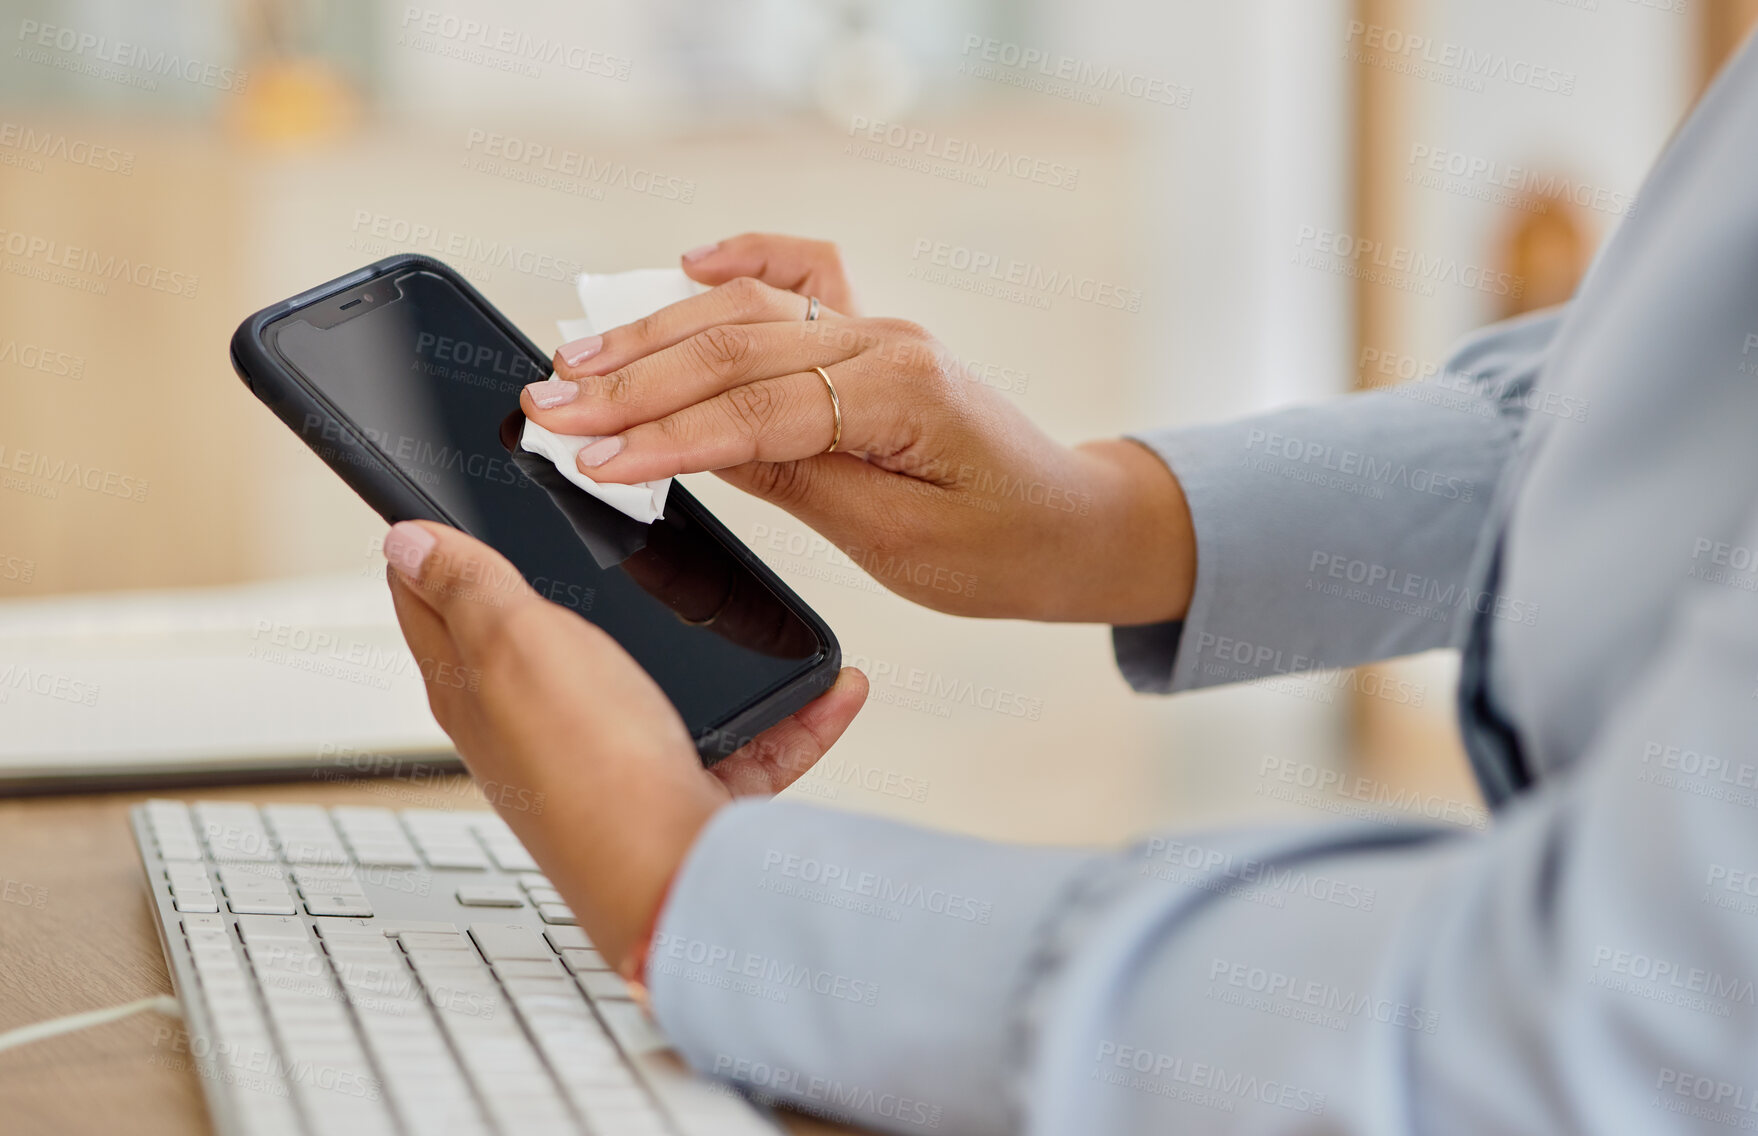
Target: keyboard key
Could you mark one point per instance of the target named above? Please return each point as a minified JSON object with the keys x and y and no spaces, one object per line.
{"x":435,"y":941}
{"x":490,"y":895}
{"x":233,"y":832}
{"x":345,"y":905}
{"x":374,"y":836}
{"x":544,"y":895}
{"x":566,"y":938}
{"x":255,"y":929}
{"x":210,"y":904}
{"x":172,"y":829}
{"x":528,"y":968}
{"x":577,"y":960}
{"x":305,"y":834}
{"x":555,"y":913}
{"x":499,"y":941}
{"x":445,"y":840}
{"x":603,"y":984}
{"x":391,"y":927}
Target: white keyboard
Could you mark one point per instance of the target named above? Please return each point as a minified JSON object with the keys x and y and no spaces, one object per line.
{"x":364,"y":971}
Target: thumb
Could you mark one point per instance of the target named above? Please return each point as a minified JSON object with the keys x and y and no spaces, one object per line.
{"x":778,"y":756}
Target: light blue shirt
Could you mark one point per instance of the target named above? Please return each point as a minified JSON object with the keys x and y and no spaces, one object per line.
{"x":1574,"y":504}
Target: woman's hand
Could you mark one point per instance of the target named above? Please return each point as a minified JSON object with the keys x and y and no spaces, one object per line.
{"x":545,"y":707}
{"x":940,"y":488}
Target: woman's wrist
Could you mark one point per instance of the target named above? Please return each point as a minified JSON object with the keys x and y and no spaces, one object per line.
{"x":615,"y":874}
{"x":1134,"y":561}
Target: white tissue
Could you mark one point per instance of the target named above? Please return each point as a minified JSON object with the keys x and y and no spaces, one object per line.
{"x":644,"y":501}
{"x":611,"y":299}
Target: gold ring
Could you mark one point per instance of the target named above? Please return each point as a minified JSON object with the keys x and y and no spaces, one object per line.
{"x":835,"y":409}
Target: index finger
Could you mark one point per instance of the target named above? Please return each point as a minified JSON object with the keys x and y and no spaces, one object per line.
{"x":739,"y":300}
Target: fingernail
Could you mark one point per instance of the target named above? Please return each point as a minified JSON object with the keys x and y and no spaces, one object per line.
{"x":580,"y":350}
{"x":699,"y":252}
{"x":552,"y":392}
{"x":407,"y":546}
{"x":600,"y":451}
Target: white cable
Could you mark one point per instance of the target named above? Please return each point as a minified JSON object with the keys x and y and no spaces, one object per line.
{"x":37,"y":1031}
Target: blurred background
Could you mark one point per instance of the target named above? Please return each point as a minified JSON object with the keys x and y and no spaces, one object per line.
{"x":167,"y":168}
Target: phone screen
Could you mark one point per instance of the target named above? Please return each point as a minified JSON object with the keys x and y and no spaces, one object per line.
{"x":433,"y":382}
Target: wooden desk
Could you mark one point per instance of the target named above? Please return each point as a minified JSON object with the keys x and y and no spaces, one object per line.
{"x":76,"y":934}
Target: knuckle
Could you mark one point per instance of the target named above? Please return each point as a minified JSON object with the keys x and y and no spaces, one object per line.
{"x":615,"y":387}
{"x":647,"y":329}
{"x":746,"y":295}
{"x":912,"y":349}
{"x":782,"y":483}
{"x":752,"y":407}
{"x":724,"y":347}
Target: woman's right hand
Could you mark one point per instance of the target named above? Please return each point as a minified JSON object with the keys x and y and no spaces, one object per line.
{"x":940,"y":488}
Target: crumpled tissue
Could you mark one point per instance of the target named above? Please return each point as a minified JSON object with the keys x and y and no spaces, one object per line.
{"x":611,"y":299}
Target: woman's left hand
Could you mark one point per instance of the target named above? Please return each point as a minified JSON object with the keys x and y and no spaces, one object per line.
{"x":578,"y":749}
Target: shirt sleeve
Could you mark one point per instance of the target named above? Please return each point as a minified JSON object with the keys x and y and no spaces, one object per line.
{"x":1341,"y":533}
{"x":1586,"y":966}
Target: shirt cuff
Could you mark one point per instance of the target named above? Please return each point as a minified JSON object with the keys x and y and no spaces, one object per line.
{"x":854,"y":967}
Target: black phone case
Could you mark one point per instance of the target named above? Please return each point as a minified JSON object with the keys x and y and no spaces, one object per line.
{"x":396,"y":498}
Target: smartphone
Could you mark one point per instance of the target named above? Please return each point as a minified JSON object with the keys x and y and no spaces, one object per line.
{"x":406,"y":381}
